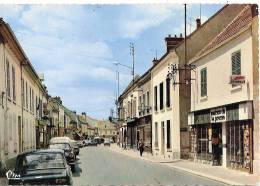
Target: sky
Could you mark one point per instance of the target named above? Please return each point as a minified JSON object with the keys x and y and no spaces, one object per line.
{"x":75,"y":46}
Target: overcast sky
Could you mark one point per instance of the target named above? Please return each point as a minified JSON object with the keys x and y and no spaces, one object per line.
{"x":75,"y":45}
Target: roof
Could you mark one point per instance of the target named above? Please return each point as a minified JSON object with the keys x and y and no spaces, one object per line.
{"x":239,"y":23}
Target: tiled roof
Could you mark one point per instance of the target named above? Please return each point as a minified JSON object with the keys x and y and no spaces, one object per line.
{"x":238,"y":24}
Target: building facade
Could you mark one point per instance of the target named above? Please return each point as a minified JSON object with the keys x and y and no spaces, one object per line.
{"x":22,"y":98}
{"x":144,"y":123}
{"x":222,"y":109}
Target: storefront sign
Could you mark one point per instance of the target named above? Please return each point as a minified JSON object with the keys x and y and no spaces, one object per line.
{"x":237,"y":79}
{"x":218,"y":114}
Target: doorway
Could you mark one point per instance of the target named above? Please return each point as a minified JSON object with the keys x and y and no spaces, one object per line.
{"x":217,"y":143}
{"x":162,"y":139}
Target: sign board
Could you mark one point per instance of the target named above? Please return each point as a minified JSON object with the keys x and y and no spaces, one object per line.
{"x":237,"y":79}
{"x":218,"y":115}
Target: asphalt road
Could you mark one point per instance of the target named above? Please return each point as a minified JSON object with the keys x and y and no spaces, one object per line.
{"x":100,"y":166}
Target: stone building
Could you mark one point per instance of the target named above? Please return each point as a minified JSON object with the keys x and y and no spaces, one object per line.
{"x":22,"y":96}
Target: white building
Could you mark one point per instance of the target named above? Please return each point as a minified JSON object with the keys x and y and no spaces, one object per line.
{"x":222,"y":97}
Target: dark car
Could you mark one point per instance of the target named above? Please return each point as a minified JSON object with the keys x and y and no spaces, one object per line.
{"x":93,"y":142}
{"x":107,"y":142}
{"x":40,"y":167}
{"x":75,"y":146}
{"x":68,"y":151}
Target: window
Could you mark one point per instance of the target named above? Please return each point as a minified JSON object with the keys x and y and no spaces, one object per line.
{"x":203,"y":82}
{"x":168,"y":134}
{"x":148,"y":102}
{"x":156,"y":134}
{"x":13,"y":78}
{"x":140,"y":105}
{"x":23,"y":93}
{"x":168,"y":81}
{"x":33,"y":101}
{"x":155,"y":98}
{"x":161,"y":96}
{"x":236,"y":63}
{"x":26,"y":95}
{"x":143,"y":104}
{"x":8,"y":78}
{"x":30,"y":98}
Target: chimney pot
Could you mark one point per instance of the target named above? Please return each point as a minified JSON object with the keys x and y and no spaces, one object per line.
{"x":180,"y":35}
{"x":198,"y":23}
{"x":169,"y":35}
{"x":175,"y":36}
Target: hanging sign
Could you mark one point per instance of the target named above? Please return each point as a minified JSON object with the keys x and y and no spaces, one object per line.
{"x":218,"y":115}
{"x":237,"y":79}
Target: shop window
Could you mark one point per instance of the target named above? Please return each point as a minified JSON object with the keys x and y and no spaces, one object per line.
{"x":236,"y":63}
{"x":168,"y":134}
{"x":238,"y":145}
{"x":203,"y":82}
{"x":203,"y":143}
{"x":161,"y":96}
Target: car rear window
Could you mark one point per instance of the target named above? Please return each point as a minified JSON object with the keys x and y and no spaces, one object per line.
{"x":42,"y":161}
{"x":64,"y":146}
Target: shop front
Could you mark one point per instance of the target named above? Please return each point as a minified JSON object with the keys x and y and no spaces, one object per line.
{"x":144,"y":132}
{"x":131,"y":133}
{"x":223,"y":136}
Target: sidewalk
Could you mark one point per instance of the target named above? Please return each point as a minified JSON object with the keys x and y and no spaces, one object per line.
{"x":221,"y":174}
{"x":3,"y":181}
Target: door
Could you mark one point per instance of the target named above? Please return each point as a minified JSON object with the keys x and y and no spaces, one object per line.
{"x":20,"y":133}
{"x":162,"y":139}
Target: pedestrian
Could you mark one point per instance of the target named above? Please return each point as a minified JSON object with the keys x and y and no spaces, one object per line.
{"x":141,"y":147}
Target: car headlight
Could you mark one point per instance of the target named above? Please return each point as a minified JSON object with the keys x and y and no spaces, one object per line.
{"x":60,"y":181}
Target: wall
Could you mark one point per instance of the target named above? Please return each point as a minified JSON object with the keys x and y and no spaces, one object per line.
{"x":158,"y":75}
{"x":218,"y":63}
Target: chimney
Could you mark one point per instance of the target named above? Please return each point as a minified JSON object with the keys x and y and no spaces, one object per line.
{"x":155,"y":61}
{"x":172,"y":42}
{"x":198,"y":23}
{"x":254,"y":9}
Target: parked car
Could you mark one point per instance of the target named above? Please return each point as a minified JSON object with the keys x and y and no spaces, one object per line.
{"x":40,"y":167}
{"x":75,"y":147}
{"x":80,"y":143}
{"x":68,"y":152}
{"x":93,"y":142}
{"x":107,"y":142}
{"x":65,"y":139}
{"x":87,"y":142}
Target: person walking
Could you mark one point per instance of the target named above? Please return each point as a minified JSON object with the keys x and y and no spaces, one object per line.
{"x":141,"y":147}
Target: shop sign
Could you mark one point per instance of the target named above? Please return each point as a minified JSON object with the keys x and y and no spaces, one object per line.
{"x":237,"y":79}
{"x":218,"y":114}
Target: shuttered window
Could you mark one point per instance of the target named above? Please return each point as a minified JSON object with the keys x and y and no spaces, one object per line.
{"x":168,"y":92}
{"x":203,"y":82}
{"x":155,"y":98}
{"x":8,"y":78}
{"x":168,"y":134}
{"x":236,"y":63}
{"x":161,"y":96}
{"x":13,"y":78}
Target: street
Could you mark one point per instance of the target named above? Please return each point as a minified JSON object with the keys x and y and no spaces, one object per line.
{"x":101,"y":166}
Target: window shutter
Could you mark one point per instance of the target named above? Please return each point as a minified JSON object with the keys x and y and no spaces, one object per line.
{"x":236,"y":63}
